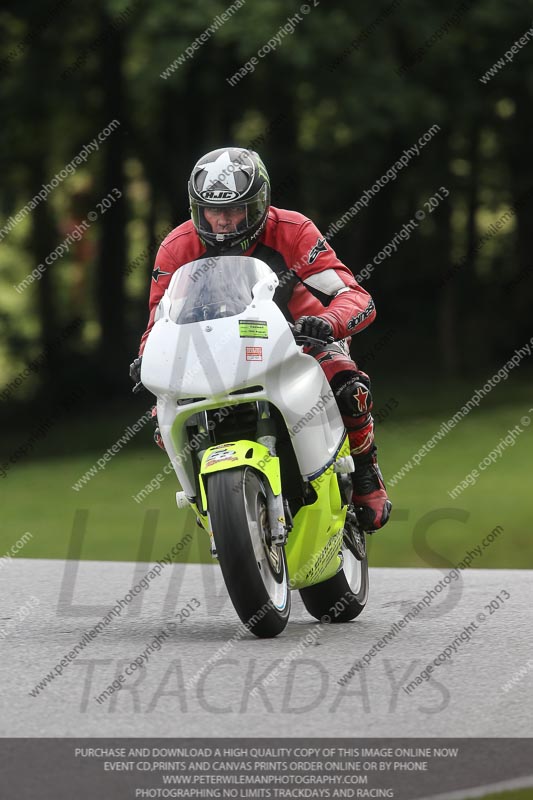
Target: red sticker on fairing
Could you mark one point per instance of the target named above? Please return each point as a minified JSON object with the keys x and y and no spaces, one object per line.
{"x":254,"y":353}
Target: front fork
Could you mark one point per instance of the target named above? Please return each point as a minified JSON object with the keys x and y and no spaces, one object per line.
{"x":280,"y":522}
{"x":260,"y":455}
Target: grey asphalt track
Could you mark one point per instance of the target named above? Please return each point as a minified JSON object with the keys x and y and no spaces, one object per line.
{"x":464,"y":696}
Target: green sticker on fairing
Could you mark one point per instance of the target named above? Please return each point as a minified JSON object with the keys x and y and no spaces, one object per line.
{"x":253,"y":329}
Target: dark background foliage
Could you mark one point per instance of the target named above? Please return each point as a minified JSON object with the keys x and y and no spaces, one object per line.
{"x":330,"y":110}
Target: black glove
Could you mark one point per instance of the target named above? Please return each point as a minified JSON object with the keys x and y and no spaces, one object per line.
{"x":317,"y":327}
{"x":135,"y":374}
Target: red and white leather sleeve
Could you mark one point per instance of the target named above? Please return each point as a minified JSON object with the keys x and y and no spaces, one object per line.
{"x":351,"y":308}
{"x":164,"y":268}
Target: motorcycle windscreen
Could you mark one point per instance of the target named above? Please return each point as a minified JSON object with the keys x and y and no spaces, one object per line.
{"x":215,"y":287}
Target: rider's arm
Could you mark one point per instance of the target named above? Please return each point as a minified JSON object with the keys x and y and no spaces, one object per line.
{"x":349,"y":307}
{"x":164,"y":268}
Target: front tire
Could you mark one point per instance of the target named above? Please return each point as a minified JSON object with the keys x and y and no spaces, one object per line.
{"x":254,"y":571}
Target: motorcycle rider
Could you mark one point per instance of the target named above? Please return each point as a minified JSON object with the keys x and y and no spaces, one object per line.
{"x":229,"y":194}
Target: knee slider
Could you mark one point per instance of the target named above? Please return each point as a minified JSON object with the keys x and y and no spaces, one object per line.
{"x":353,"y":396}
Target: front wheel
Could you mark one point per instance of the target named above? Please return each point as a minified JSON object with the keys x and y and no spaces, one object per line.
{"x":254,"y":570}
{"x":342,"y":597}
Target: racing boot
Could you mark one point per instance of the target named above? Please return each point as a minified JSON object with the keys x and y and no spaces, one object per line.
{"x":158,"y":439}
{"x":369,"y":498}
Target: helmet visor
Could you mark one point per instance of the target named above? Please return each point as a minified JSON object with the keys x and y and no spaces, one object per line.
{"x":222,"y":223}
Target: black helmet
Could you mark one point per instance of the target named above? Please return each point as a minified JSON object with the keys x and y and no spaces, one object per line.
{"x":231,"y":177}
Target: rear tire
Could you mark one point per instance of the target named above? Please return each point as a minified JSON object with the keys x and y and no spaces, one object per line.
{"x":255,"y":573}
{"x":342,"y":597}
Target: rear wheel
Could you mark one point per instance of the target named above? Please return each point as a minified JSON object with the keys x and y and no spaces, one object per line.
{"x":342,"y":597}
{"x":254,"y":570}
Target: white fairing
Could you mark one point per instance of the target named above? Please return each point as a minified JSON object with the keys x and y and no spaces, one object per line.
{"x":208,"y":360}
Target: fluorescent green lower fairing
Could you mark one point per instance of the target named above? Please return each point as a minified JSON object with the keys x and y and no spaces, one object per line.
{"x":315,"y":542}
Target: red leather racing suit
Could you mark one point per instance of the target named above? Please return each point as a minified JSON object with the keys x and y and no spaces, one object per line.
{"x":312,"y":282}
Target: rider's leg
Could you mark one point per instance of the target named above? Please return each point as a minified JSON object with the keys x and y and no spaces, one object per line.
{"x":351,"y":388}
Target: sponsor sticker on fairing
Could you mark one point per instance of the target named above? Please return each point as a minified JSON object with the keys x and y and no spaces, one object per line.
{"x":253,"y":329}
{"x":221,"y":454}
{"x":254,"y":353}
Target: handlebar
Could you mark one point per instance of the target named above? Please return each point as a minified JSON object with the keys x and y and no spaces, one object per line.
{"x":310,"y":340}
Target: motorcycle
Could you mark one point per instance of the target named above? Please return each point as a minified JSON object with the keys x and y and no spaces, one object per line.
{"x":257,"y":443}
